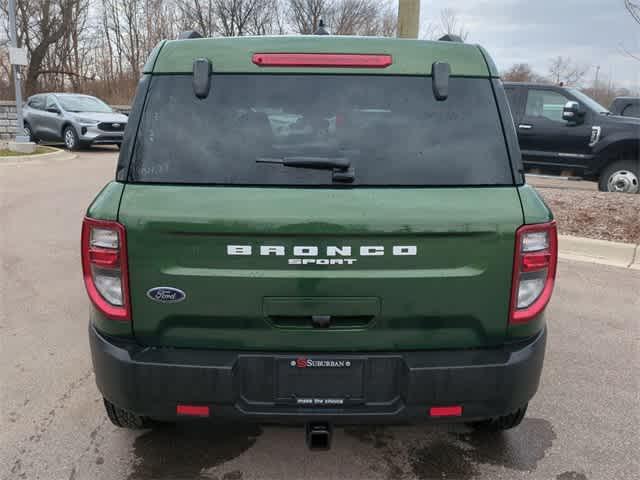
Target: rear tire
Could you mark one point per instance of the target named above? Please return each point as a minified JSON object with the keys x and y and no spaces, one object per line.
{"x":621,"y":176}
{"x":498,"y":424}
{"x":125,"y":419}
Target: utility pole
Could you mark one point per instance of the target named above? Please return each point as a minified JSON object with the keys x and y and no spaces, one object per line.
{"x":15,"y":66}
{"x":597,"y":75}
{"x":408,"y":18}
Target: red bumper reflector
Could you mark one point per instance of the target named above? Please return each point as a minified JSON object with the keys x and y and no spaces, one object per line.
{"x":193,"y":410}
{"x":454,"y":411}
{"x":342,"y":60}
{"x":104,"y":257}
{"x":535,"y":261}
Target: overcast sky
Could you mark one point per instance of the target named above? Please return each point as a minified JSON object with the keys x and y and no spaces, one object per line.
{"x":534,"y":31}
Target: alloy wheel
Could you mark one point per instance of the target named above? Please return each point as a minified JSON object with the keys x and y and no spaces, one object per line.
{"x":69,"y":139}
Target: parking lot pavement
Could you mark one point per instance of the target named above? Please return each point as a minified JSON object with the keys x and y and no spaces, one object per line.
{"x":583,"y":424}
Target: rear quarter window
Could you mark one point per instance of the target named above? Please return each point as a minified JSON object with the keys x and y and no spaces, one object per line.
{"x":37,"y":103}
{"x":390,"y":128}
{"x":631,"y":110}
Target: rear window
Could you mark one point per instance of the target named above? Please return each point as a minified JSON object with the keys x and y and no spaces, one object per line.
{"x":389,"y":128}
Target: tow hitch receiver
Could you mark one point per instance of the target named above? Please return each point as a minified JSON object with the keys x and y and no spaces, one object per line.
{"x":318,"y":436}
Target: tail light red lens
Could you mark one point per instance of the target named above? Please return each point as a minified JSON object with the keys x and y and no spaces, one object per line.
{"x":534,"y":270}
{"x":340,"y":60}
{"x":104,"y":267}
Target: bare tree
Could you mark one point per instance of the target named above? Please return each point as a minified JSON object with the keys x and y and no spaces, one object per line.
{"x":161,"y":22}
{"x":236,"y":16}
{"x":350,"y":17}
{"x":606,"y":90}
{"x":268,"y":20}
{"x":522,"y":72}
{"x":306,"y":14}
{"x":450,"y":24}
{"x":388,"y":22}
{"x":99,"y":46}
{"x":564,"y":70}
{"x":344,"y":17}
{"x":633,"y":7}
{"x":430,"y":31}
{"x":41,"y":24}
{"x":6,"y":79}
{"x":384,"y":23}
{"x":69,"y":60}
{"x":199,"y":15}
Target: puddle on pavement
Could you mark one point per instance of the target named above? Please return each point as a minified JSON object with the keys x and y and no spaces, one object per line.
{"x":182,"y":451}
{"x":442,"y":459}
{"x":518,"y":449}
{"x":459,"y":456}
{"x":378,"y":437}
{"x":571,"y":476}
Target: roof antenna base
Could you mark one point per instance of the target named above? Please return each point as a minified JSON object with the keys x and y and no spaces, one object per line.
{"x":189,"y":34}
{"x":321,"y":29}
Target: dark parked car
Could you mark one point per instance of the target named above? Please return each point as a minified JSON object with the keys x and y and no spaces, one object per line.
{"x":562,"y":129}
{"x":626,"y":107}
{"x":77,"y":120}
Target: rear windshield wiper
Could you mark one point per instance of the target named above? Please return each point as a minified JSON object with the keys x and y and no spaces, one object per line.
{"x":342,"y":171}
{"x":317,"y":163}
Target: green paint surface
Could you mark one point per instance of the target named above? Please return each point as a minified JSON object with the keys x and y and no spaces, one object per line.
{"x":534,"y":208}
{"x":453,"y":293}
{"x":233,"y":55}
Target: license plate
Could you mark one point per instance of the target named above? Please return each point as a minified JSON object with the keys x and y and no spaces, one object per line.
{"x":320,"y":381}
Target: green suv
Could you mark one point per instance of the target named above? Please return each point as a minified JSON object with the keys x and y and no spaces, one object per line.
{"x":319,"y":230}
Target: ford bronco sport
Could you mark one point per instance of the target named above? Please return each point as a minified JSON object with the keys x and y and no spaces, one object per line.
{"x":319,"y":230}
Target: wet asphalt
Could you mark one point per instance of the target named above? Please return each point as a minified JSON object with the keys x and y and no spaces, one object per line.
{"x":583,"y":423}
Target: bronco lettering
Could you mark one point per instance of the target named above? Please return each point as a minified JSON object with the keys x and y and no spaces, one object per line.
{"x":313,"y":251}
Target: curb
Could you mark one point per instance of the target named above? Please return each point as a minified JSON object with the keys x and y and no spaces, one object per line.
{"x":59,"y":154}
{"x":625,"y":255}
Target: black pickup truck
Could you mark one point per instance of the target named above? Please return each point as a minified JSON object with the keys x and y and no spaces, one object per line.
{"x":562,"y":130}
{"x":626,"y":107}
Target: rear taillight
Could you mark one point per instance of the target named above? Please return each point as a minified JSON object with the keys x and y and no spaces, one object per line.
{"x":104,"y":267}
{"x":534,"y":270}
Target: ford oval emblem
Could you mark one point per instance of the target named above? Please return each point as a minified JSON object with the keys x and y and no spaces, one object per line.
{"x":166,"y":295}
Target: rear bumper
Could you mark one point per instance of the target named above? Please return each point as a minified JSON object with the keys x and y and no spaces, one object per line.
{"x":396,"y":387}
